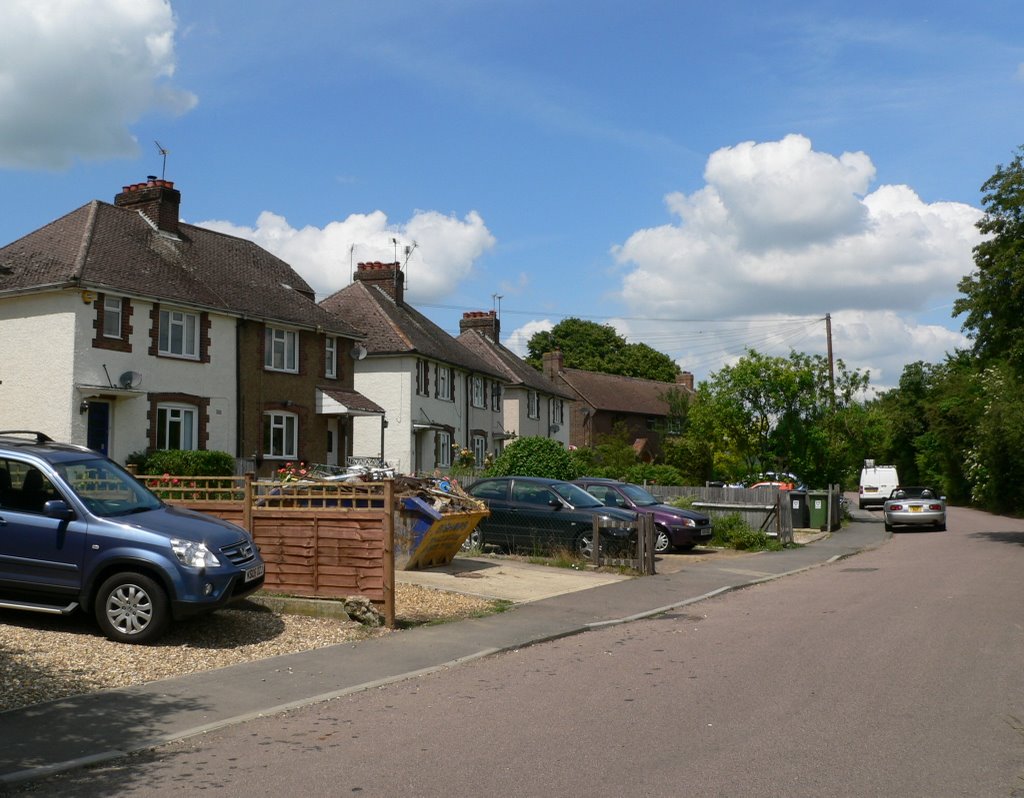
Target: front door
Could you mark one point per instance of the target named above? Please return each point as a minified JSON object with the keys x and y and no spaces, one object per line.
{"x":98,"y":427}
{"x":333,"y":441}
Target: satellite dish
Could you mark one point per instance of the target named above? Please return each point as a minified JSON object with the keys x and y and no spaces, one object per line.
{"x":130,"y":379}
{"x":358,"y":352}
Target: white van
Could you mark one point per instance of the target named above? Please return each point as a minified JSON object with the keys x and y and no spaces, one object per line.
{"x":877,"y":482}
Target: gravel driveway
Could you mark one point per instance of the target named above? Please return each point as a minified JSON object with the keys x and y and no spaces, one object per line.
{"x":45,"y":657}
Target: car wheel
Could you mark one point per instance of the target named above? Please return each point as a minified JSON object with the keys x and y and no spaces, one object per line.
{"x":662,"y":542}
{"x":132,"y":608}
{"x":888,"y":527}
{"x":585,"y":545}
{"x":940,"y":527}
{"x":475,"y":541}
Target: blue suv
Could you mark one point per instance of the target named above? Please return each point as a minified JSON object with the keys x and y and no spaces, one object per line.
{"x":79,"y":532}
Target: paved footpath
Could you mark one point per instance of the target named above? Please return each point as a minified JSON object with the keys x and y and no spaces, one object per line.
{"x":72,"y":732}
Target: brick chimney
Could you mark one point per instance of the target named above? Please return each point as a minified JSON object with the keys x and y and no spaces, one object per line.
{"x":552,"y":363}
{"x":386,"y":276}
{"x":486,"y":322}
{"x":157,"y":199}
{"x":685,"y":381}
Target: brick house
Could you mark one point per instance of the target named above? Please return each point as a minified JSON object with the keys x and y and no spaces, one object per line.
{"x":127,"y":330}
{"x":532,"y":405}
{"x":606,"y":400}
{"x":438,"y":395}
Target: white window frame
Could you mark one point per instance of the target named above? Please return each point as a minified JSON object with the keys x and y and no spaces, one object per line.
{"x":557,"y":411}
{"x":187,"y":327}
{"x":422,"y":377}
{"x":444,"y":448}
{"x":477,"y":391}
{"x":444,"y":383}
{"x":479,"y":449}
{"x":113,"y":308}
{"x":281,"y":350}
{"x":532,"y":404}
{"x":287,"y":424}
{"x":330,"y":357}
{"x":496,"y":391}
{"x":186,"y":417}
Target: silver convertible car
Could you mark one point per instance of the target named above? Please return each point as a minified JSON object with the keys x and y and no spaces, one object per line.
{"x":914,"y":505}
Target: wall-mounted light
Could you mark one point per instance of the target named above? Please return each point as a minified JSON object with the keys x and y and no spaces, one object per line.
{"x":88,"y":297}
{"x":83,"y":407}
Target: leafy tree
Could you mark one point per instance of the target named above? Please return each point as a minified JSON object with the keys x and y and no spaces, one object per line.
{"x":612,"y":455}
{"x":534,"y":457}
{"x":590,"y":346}
{"x":993,"y":298}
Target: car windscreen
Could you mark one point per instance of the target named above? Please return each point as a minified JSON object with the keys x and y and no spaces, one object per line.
{"x":575,"y":495}
{"x":105,"y":488}
{"x":639,"y":496}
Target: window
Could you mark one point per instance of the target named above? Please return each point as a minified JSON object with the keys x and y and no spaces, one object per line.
{"x":477,"y":397}
{"x":330,"y":357}
{"x":479,"y":449}
{"x":280,"y":435}
{"x":533,"y":404}
{"x":281,"y":350}
{"x":423,"y":378}
{"x":557,"y":411}
{"x":112,"y":317}
{"x":175,"y":427}
{"x":443,"y":449}
{"x":179,"y":334}
{"x":496,"y":396}
{"x":445,"y":389}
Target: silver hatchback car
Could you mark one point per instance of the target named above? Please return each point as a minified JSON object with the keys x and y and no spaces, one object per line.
{"x":915,"y":505}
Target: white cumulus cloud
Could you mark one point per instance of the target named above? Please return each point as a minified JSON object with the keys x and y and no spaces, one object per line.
{"x":74,"y":76}
{"x":780,"y":230}
{"x":442,"y":249}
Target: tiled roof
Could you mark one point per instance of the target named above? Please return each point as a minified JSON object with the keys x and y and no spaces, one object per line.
{"x":106,"y":248}
{"x":514,"y":369}
{"x":353,"y":400}
{"x":393,"y":329}
{"x":620,"y":394}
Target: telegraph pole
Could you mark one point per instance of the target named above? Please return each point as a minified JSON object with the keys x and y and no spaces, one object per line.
{"x":831,"y":362}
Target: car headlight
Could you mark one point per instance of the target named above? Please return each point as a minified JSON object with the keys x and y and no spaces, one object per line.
{"x":687,"y":522}
{"x":193,"y":554}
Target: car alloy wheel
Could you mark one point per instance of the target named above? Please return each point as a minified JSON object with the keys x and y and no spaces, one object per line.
{"x":131,"y":608}
{"x":662,"y":543}
{"x":475,"y":541}
{"x":585,"y":545}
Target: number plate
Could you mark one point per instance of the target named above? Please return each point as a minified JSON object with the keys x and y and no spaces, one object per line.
{"x":915,"y":508}
{"x":254,"y":573}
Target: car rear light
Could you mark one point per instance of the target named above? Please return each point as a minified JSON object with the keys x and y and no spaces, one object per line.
{"x":935,"y":507}
{"x":895,"y":506}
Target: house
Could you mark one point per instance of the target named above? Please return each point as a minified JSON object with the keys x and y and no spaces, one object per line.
{"x":532,"y":404}
{"x":125,"y":329}
{"x":442,"y":401}
{"x":604,"y":401}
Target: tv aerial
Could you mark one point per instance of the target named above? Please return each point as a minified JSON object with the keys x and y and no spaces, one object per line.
{"x":163,"y":152}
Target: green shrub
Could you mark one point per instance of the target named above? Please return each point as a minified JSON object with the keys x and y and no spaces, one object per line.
{"x":732,"y":532}
{"x":645,"y":473}
{"x":534,"y":457}
{"x":189,"y":463}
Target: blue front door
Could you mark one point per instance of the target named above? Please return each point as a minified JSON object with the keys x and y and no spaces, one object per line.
{"x":98,"y":434}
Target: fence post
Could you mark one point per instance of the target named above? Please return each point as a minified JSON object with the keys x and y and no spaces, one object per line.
{"x":389,"y":553}
{"x":248,"y":502}
{"x":645,"y":528}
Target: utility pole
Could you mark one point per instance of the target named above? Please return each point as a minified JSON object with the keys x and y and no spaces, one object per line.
{"x":831,"y":362}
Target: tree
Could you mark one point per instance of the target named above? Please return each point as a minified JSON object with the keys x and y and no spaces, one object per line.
{"x":590,"y":346}
{"x":534,"y":456}
{"x":993,"y":298}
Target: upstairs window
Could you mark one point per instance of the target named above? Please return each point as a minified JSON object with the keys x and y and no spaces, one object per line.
{"x":281,"y":350}
{"x":179,"y":334}
{"x":112,"y":317}
{"x":532,"y":405}
{"x":444,"y":384}
{"x":477,"y":397}
{"x":496,"y":396}
{"x":557,"y":411}
{"x":423,"y":378}
{"x":330,"y":357}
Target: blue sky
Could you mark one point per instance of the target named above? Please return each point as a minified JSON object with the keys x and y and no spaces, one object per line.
{"x":704,"y":176}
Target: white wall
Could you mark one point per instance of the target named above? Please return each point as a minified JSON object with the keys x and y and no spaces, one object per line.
{"x":37,"y":364}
